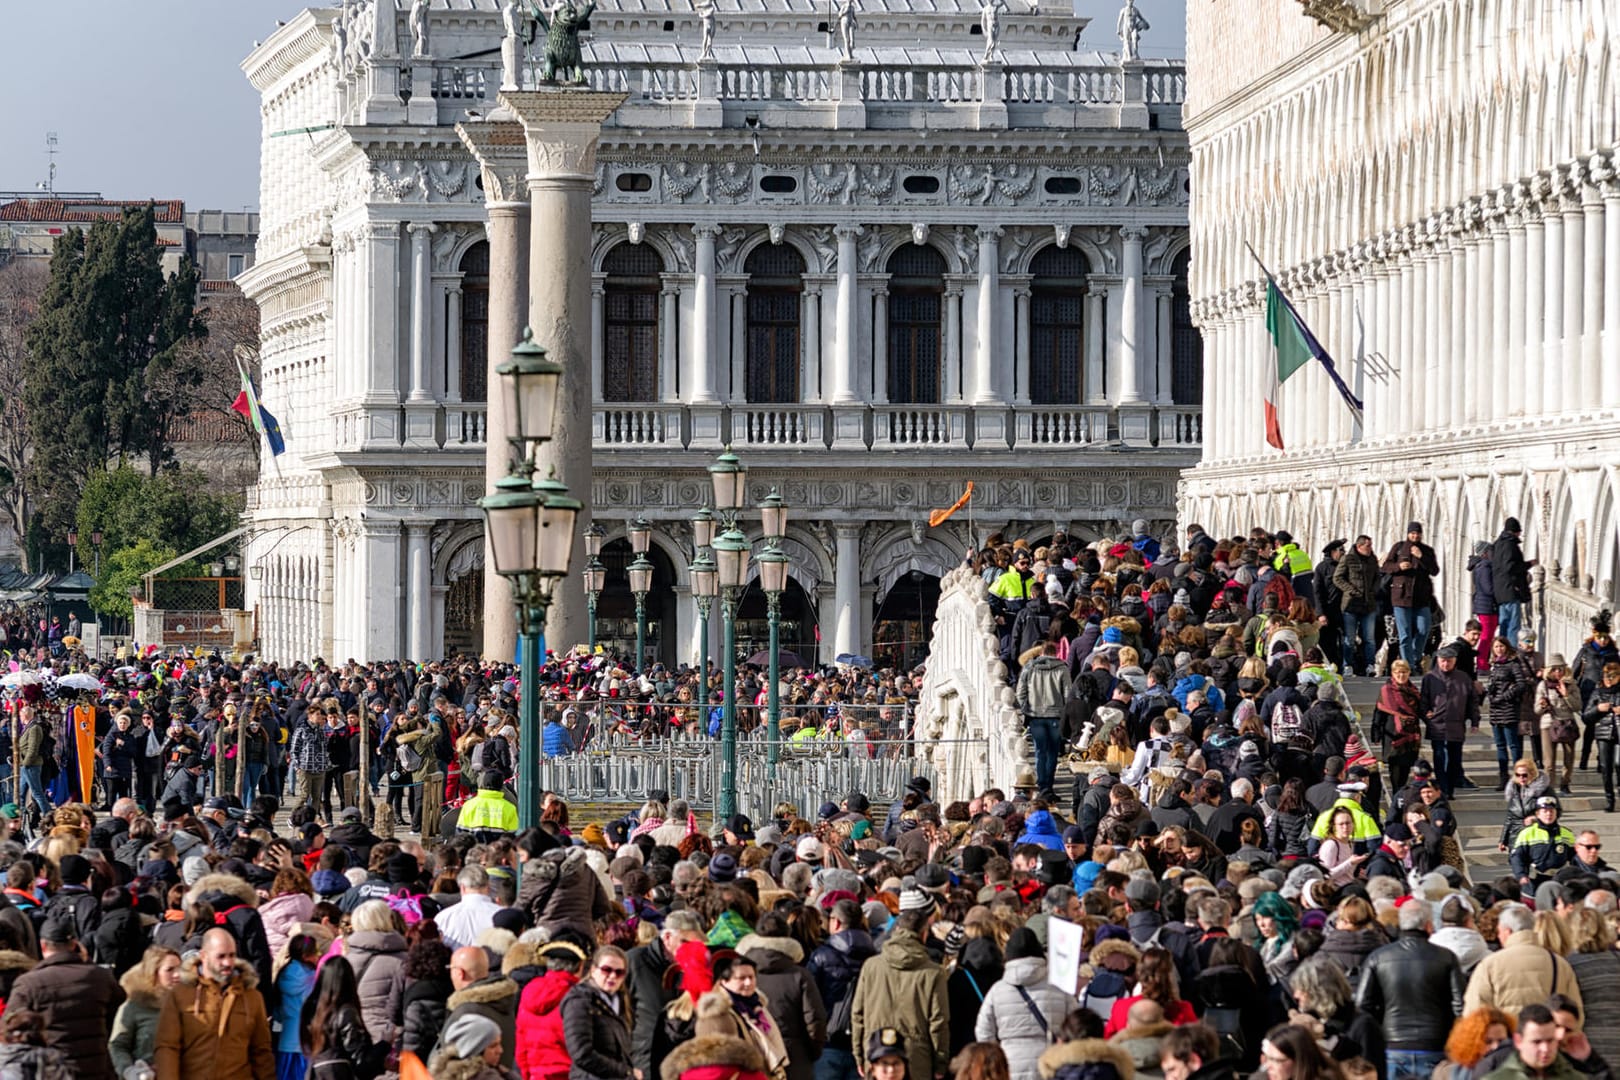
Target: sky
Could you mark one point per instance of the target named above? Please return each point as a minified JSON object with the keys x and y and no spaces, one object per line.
{"x":182,"y":122}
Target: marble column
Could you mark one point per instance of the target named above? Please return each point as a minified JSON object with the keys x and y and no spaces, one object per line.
{"x":1437,"y":405}
{"x":810,"y":358}
{"x":848,"y":413}
{"x":737,"y":375}
{"x":1576,"y":393}
{"x":1611,"y":285}
{"x":703,"y":317}
{"x":1472,"y":365}
{"x":1531,"y":374}
{"x":1164,"y":390}
{"x":561,"y":129}
{"x":1130,"y":317}
{"x":1406,"y":359}
{"x":1379,"y":398}
{"x":1498,"y":329}
{"x":1094,"y":390}
{"x":452,"y":341}
{"x":847,"y":591}
{"x":503,"y":161}
{"x":985,"y":391}
{"x":1593,"y":278}
{"x":1551,"y":272}
{"x":419,"y":401}
{"x":669,"y":341}
{"x":951,"y":384}
{"x":419,"y":591}
{"x":598,"y":328}
{"x":1513,"y":398}
{"x":880,"y":343}
{"x":1021,"y":314}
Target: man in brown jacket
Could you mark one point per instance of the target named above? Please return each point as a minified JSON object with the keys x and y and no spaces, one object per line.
{"x":902,"y":988}
{"x":78,"y":1000}
{"x":214,"y":1023}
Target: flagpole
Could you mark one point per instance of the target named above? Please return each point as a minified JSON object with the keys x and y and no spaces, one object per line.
{"x":258,"y":416}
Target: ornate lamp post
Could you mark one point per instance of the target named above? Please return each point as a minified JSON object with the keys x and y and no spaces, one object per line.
{"x":73,"y":543}
{"x":731,"y":551}
{"x":705,"y":583}
{"x":773,"y":575}
{"x":95,"y":542}
{"x":595,"y":574}
{"x":641,"y":575}
{"x":531,"y":532}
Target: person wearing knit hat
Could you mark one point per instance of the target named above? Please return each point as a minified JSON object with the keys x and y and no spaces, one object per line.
{"x":403,"y":869}
{"x":722,"y":868}
{"x":914,"y":898}
{"x":469,"y":1049}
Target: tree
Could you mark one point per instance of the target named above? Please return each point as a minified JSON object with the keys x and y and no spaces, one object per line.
{"x":173,"y":510}
{"x":124,"y":570}
{"x":22,"y":283}
{"x":107,"y":366}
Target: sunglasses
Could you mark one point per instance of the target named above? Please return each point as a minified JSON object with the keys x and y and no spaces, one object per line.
{"x":1521,"y":776}
{"x":605,"y":970}
{"x":1589,"y":847}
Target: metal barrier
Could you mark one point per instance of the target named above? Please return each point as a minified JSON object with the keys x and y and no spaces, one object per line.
{"x":621,"y":769}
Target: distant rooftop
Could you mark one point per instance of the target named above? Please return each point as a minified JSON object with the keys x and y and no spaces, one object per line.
{"x":168,"y":211}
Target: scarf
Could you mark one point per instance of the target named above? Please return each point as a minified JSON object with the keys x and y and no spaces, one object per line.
{"x":748,"y":1005}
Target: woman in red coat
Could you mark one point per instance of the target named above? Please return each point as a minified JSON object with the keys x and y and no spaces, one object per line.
{"x":542,"y":1053}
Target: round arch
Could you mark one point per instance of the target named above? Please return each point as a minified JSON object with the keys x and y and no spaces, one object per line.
{"x":953,"y":265}
{"x":1096,"y":258}
{"x":790,"y":237}
{"x":611,"y":239}
{"x":616,"y":607}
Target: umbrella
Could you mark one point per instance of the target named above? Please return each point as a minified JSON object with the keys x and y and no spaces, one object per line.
{"x":853,"y":660}
{"x":21,"y":678}
{"x":80,"y":680}
{"x":786,"y":657}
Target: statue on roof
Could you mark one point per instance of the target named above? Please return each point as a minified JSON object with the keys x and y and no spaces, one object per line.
{"x":419,"y":27}
{"x":515,"y":23}
{"x":1130,"y":27}
{"x":562,"y":61}
{"x":846,"y":29}
{"x":707,"y":15}
{"x":990,"y":22}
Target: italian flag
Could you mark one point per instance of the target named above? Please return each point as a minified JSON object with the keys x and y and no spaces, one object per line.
{"x":1293,"y":346}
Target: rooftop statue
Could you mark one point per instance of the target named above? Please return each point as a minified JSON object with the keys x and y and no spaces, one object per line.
{"x":1130,"y":27}
{"x":562,"y":61}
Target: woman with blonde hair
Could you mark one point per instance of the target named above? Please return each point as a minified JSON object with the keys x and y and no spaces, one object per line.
{"x":134,"y":1030}
{"x":1524,"y":787}
{"x":1552,"y":933}
{"x":1597,"y":972}
{"x":1355,"y":933}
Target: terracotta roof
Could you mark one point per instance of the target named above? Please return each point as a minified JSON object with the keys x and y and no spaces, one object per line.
{"x":168,"y":212}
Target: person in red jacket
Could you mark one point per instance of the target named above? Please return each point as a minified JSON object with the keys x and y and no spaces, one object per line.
{"x":542,"y":1053}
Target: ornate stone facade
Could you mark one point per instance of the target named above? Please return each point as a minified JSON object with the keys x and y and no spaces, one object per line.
{"x":904,"y":210}
{"x":1456,"y":249}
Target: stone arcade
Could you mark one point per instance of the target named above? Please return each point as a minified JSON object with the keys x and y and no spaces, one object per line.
{"x":875,"y":278}
{"x":1434,"y":184}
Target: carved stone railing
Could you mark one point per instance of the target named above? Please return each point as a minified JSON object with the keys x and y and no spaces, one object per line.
{"x":1181,"y":425}
{"x":965,"y":697}
{"x":1075,"y":86}
{"x":778,"y":426}
{"x":1061,"y":425}
{"x":920,"y":425}
{"x":637,"y":426}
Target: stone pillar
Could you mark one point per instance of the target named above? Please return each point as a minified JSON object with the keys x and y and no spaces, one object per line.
{"x":810,"y":351}
{"x":849,"y":415}
{"x":1551,"y":272}
{"x":1593,"y":280}
{"x":1130,"y":318}
{"x":986,"y":340}
{"x":561,"y":129}
{"x":452,"y":341}
{"x":1094,"y":390}
{"x":1436,"y":336}
{"x":1021,"y":315}
{"x":880,"y":343}
{"x":419,"y":591}
{"x":499,"y":149}
{"x":1611,"y":285}
{"x":598,"y":328}
{"x":1531,"y":374}
{"x":737,"y":377}
{"x":1476,"y":383}
{"x":703,"y":314}
{"x":847,"y":591}
{"x":1164,"y":391}
{"x":421,"y":310}
{"x":669,"y":342}
{"x":951,"y":384}
{"x":1512,"y":399}
{"x":1498,"y":329}
{"x":1577,"y":395}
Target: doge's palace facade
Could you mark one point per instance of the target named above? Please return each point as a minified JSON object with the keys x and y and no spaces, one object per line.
{"x":876,"y":277}
{"x":1434,"y":183}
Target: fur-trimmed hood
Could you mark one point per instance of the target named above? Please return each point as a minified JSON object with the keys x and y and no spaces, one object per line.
{"x":712,"y":1050}
{"x":244,"y":979}
{"x":12,"y":960}
{"x":1114,"y":947}
{"x":485,"y":992}
{"x":1072,"y":1055}
{"x":140,"y":989}
{"x":472,"y":1068}
{"x":229,"y":884}
{"x":784,"y":945}
{"x":519,"y":954}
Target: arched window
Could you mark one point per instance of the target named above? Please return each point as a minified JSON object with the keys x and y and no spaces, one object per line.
{"x":474,"y":375}
{"x":775,"y":283}
{"x":1186,"y":343}
{"x":916,"y":292}
{"x":1057,"y":343}
{"x":630,"y":323}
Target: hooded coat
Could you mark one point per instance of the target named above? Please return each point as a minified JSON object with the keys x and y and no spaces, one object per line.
{"x":496,"y":998}
{"x":977,"y":970}
{"x":210,"y":1031}
{"x":134,"y":1030}
{"x":835,"y":965}
{"x":1009,"y":1018}
{"x":902,"y":988}
{"x":598,"y":1039}
{"x":1082,"y":1058}
{"x":542,"y":1050}
{"x":793,"y":999}
{"x":378,"y":960}
{"x":235,"y":905}
{"x":561,"y":892}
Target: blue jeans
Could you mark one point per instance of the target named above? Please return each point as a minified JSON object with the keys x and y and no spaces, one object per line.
{"x":1418,"y":1064}
{"x":1043,"y":731}
{"x":1448,"y":764}
{"x":836,"y":1064}
{"x":1366,"y":626}
{"x":33,"y":780}
{"x":1509,"y":745}
{"x":1507,"y":622}
{"x":254,"y":774}
{"x":1413,"y":626}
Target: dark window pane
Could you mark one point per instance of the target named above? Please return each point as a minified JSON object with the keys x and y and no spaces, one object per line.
{"x":474,"y":374}
{"x":1057,"y":340}
{"x":630,"y":302}
{"x":1186,"y":343}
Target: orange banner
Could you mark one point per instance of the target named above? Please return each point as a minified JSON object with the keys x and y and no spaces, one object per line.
{"x":939,"y":517}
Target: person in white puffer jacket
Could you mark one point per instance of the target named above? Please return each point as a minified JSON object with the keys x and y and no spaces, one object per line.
{"x":1021,"y":1007}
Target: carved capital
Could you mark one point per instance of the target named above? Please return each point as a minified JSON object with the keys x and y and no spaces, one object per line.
{"x":1129,"y":233}
{"x":706,"y":231}
{"x":989,"y":234}
{"x":847,"y":233}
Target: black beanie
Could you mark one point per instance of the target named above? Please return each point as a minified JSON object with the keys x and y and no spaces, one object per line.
{"x":1512,"y":525}
{"x":1024,"y":944}
{"x":403,"y":869}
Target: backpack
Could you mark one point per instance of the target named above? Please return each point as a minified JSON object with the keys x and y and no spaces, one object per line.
{"x":408,"y":906}
{"x":475,"y":763}
{"x":1288,"y":727}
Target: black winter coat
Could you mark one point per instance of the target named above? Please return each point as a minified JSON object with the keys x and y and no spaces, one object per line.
{"x":647,"y":964}
{"x":979,"y":968}
{"x":1414,"y":989}
{"x":1505,"y":687}
{"x":597,"y":1037}
{"x":1510,"y":574}
{"x":421,"y":1014}
{"x":792,"y":998}
{"x":1605,"y":726}
{"x":1484,"y":598}
{"x":121,"y":749}
{"x":835,"y":965}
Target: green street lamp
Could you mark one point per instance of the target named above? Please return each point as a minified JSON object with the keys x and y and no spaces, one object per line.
{"x":773,"y":574}
{"x":640,"y":572}
{"x":705,"y":583}
{"x":531,"y":538}
{"x":595,"y":582}
{"x":731,"y":553}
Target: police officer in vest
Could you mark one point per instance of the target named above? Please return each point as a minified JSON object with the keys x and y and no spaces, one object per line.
{"x":488,"y":814}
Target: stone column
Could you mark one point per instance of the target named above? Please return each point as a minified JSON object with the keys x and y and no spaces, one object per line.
{"x":419,"y":591}
{"x":669,"y":342}
{"x":598,"y":328}
{"x":452,"y":341}
{"x":1512,"y":399}
{"x":880,"y":343}
{"x":1551,"y":331}
{"x":951,"y":384}
{"x":737,"y":377}
{"x":1405,"y":351}
{"x":1164,"y":391}
{"x":1611,"y":283}
{"x":704,"y":408}
{"x":1498,"y":329}
{"x":1476,"y":383}
{"x":847,"y":591}
{"x":1530,"y":374}
{"x":990,"y":418}
{"x":810,"y":350}
{"x":1593,"y":279}
{"x":848,"y":412}
{"x":499,"y":149}
{"x":1436,"y":396}
{"x":1130,"y":320}
{"x":1021,"y":314}
{"x":1576,"y":393}
{"x":1093,"y":390}
{"x":561,"y":129}
{"x":419,"y":406}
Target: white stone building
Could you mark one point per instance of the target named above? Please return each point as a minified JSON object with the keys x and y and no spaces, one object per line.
{"x":875,"y":279}
{"x":1434,"y":184}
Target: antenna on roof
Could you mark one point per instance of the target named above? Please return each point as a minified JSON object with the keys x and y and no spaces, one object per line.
{"x":48,"y":185}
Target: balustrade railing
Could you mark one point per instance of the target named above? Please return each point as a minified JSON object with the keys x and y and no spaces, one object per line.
{"x":1062,"y":425}
{"x":638,"y":425}
{"x":466,"y":82}
{"x":920,"y":425}
{"x":466,"y":425}
{"x":1181,"y":425}
{"x":1075,"y":86}
{"x":647,"y":82}
{"x":747,"y":82}
{"x":777,"y":425}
